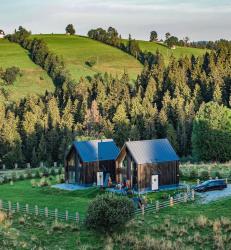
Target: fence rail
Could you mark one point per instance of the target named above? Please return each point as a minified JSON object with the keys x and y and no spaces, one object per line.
{"x":155,"y":207}
{"x":53,"y":214}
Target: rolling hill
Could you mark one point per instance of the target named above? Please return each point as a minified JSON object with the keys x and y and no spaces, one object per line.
{"x":166,"y":52}
{"x":33,"y":80}
{"x":77,"y":51}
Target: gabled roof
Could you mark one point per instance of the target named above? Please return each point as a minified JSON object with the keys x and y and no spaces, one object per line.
{"x":96,"y":150}
{"x":151,"y":151}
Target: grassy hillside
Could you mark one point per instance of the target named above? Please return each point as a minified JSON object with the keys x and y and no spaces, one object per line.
{"x":178,"y":52}
{"x":33,"y":79}
{"x":76,"y":51}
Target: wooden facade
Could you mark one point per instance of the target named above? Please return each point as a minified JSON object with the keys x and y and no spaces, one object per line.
{"x":138,"y":176}
{"x":85,"y":173}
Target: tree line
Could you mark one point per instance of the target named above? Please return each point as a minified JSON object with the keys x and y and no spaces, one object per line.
{"x":165,"y":101}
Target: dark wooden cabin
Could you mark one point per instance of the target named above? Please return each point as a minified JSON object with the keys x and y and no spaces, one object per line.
{"x":147,"y":165}
{"x":86,"y":158}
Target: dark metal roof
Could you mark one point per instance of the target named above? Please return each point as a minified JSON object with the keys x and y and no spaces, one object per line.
{"x":97,"y":150}
{"x":151,"y":151}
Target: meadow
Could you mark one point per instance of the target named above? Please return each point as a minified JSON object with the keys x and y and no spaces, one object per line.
{"x":34,"y":80}
{"x":77,"y":51}
{"x":185,"y":226}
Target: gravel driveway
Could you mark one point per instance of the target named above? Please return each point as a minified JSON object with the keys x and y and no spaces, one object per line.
{"x":214,"y":195}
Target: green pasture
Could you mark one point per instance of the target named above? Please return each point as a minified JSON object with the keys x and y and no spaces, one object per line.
{"x":34,"y":80}
{"x":77,"y":51}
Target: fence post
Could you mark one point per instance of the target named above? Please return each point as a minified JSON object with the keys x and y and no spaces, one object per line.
{"x":28,"y":165}
{"x":157,"y":206}
{"x":185,"y":197}
{"x":27,"y":208}
{"x":171,"y":202}
{"x":9,"y":206}
{"x":193,"y":195}
{"x":77,"y":217}
{"x":46,"y":212}
{"x":142,"y":208}
{"x":1,"y":204}
{"x":16,"y":165}
{"x":41,"y":164}
{"x":198,"y":181}
{"x":56,"y":214}
{"x":55,"y":164}
{"x":4,"y":167}
{"x":17,"y":207}
{"x":36,"y":210}
{"x":66,"y":215}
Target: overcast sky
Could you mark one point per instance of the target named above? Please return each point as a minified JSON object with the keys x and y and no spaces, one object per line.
{"x":198,"y":19}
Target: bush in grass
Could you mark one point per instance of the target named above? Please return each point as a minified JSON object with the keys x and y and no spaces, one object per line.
{"x":193,"y":174}
{"x":52,"y":172}
{"x":218,"y":175}
{"x":28,"y":174}
{"x":37,"y":174}
{"x":44,"y":182}
{"x":204,"y":175}
{"x":33,"y":183}
{"x":21,"y":177}
{"x":13,"y":176}
{"x":108,"y":212}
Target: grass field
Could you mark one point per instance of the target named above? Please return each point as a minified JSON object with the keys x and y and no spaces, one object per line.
{"x":77,"y":50}
{"x":33,"y":79}
{"x":186,"y":226}
{"x":166,"y":52}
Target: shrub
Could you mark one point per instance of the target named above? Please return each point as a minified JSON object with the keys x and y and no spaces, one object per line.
{"x":37,"y":174}
{"x":11,"y":75}
{"x":107,"y":212}
{"x":204,"y":175}
{"x":193,"y":174}
{"x":52,"y":172}
{"x":90,"y":63}
{"x":44,"y":182}
{"x":13,"y":176}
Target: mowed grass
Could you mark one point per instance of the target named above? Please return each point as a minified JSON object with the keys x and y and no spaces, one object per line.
{"x":166,"y":52}
{"x":77,"y":50}
{"x":34,"y":80}
{"x":24,"y":193}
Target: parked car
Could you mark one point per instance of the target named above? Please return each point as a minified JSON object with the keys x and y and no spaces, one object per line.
{"x":211,"y":185}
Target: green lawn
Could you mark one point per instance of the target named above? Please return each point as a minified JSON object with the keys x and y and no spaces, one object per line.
{"x":34,"y":80}
{"x":186,"y":226}
{"x":24,"y":193}
{"x":166,"y":52}
{"x":77,"y":50}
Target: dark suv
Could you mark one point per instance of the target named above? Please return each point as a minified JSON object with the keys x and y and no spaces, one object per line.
{"x":211,"y":185}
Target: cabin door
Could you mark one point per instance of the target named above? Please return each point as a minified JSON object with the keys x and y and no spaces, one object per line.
{"x":99,"y":178}
{"x":155,"y":182}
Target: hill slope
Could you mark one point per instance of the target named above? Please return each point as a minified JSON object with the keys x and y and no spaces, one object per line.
{"x":77,"y":50}
{"x":33,"y":79}
{"x":166,"y":52}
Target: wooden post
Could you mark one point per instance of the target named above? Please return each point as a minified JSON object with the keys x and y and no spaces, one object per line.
{"x":4,"y":167}
{"x":16,"y":165}
{"x":193,"y":195}
{"x":142,"y":209}
{"x":46,"y":212}
{"x":185,"y":197}
{"x":171,"y":202}
{"x":198,"y":181}
{"x":226,"y":181}
{"x":66,"y":215}
{"x":9,"y":206}
{"x":77,"y":217}
{"x":28,"y":165}
{"x":36,"y":210}
{"x":55,"y":164}
{"x":56,"y":214}
{"x":41,"y":164}
{"x":17,"y":207}
{"x":27,"y":208}
{"x":157,"y":206}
